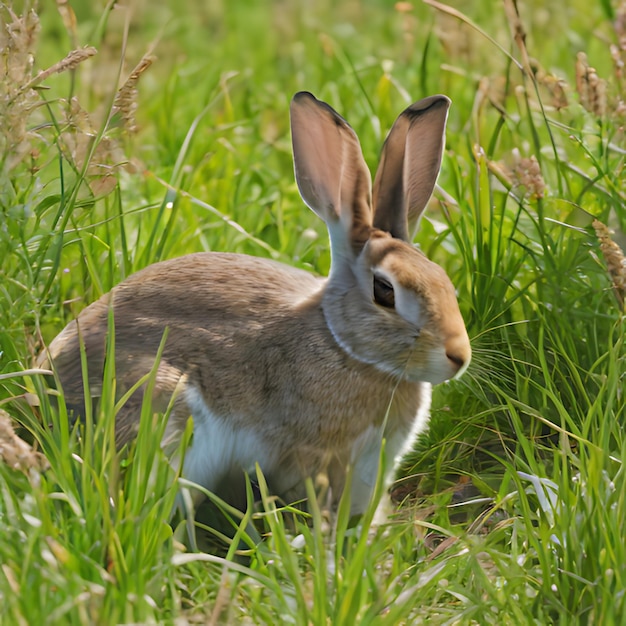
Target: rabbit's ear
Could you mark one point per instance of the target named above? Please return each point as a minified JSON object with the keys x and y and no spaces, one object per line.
{"x":409,"y":165}
{"x":331,"y":173}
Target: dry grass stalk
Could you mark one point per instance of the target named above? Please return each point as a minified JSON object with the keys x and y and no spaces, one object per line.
{"x":523,"y":175}
{"x":15,"y":452}
{"x":555,"y":86}
{"x":615,"y":260}
{"x":126,"y":99}
{"x":98,"y":156}
{"x":519,"y":33}
{"x":100,"y":162}
{"x":69,"y":19}
{"x":18,"y":40}
{"x":590,"y":87}
{"x":18,"y":98}
{"x":527,"y":174}
{"x":72,"y":60}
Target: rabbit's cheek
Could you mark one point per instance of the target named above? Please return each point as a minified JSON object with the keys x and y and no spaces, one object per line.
{"x":410,"y":307}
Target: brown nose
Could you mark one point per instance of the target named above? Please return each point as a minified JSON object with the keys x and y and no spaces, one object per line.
{"x":459,"y":353}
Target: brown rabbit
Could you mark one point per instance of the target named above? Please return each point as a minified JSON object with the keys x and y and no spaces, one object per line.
{"x":278,"y":367}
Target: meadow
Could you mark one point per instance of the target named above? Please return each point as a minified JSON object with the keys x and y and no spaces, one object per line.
{"x":138,"y":131}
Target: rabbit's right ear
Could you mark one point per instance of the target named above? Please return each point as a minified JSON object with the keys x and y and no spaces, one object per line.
{"x":331,"y":173}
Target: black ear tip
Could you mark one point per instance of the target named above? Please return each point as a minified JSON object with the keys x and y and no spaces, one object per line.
{"x":438,"y":101}
{"x":303,"y":95}
{"x":306,"y":102}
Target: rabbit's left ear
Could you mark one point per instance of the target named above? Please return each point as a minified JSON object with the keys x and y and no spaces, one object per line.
{"x":409,"y":165}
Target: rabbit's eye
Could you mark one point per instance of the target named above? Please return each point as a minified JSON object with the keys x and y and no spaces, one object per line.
{"x":383,"y":293}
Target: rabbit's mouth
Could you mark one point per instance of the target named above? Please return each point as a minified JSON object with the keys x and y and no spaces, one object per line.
{"x":436,"y":364}
{"x":444,"y":366}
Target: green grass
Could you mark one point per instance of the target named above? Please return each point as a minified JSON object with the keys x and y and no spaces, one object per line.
{"x":514,"y":502}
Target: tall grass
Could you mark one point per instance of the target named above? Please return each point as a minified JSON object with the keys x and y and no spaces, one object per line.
{"x":513,"y":504}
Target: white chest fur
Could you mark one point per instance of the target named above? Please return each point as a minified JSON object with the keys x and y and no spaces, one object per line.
{"x":218,"y":450}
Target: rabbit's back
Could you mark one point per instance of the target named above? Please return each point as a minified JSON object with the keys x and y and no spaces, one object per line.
{"x":204,"y":300}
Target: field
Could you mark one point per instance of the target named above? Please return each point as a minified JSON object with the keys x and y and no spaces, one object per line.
{"x":140,"y":131}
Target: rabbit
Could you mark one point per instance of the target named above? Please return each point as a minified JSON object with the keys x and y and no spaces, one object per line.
{"x":278,"y":367}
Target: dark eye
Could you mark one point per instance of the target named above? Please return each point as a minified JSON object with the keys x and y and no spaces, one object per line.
{"x":383,"y":293}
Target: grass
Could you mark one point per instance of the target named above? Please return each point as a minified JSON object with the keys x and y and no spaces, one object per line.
{"x":514,"y":502}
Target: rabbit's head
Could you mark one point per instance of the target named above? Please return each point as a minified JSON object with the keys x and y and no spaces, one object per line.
{"x":385,"y":303}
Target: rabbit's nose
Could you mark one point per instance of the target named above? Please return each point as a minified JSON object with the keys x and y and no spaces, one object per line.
{"x":459,"y":353}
